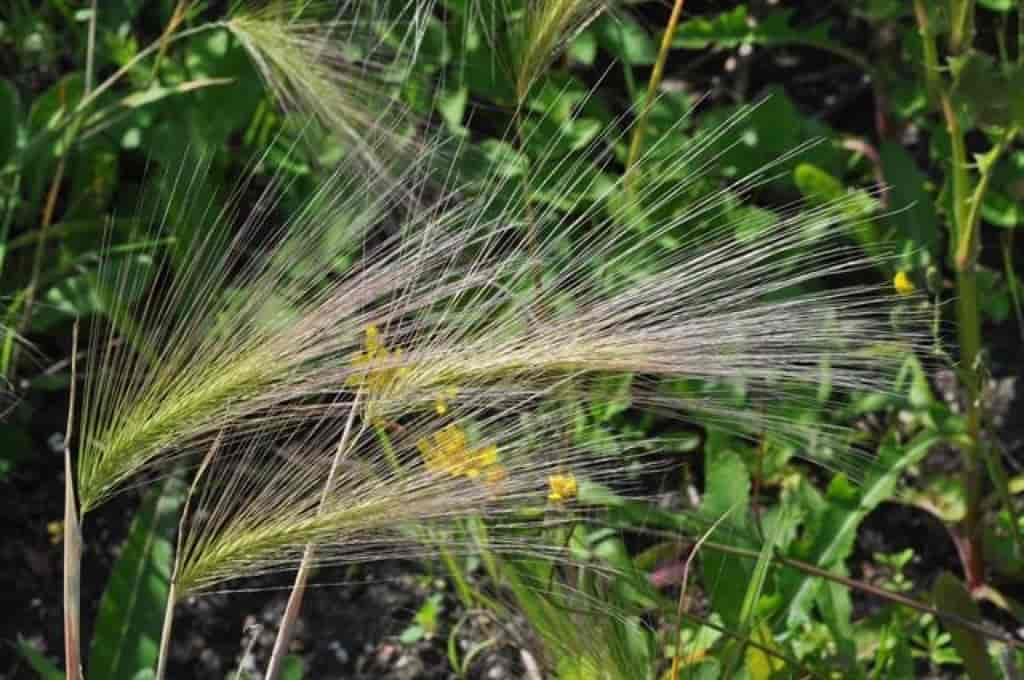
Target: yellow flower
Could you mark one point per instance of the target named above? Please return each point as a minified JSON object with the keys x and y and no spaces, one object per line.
{"x":375,"y":353}
{"x":902,"y":283}
{"x":562,"y":488}
{"x":441,"y":403}
{"x":56,"y":531}
{"x":447,"y":451}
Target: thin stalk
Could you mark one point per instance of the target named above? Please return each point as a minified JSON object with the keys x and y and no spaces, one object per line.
{"x":652,"y":89}
{"x":165,"y":632}
{"x":90,"y":49}
{"x":1013,"y":279}
{"x":962,"y":20}
{"x":677,"y":658}
{"x":72,"y":541}
{"x":968,"y":241}
{"x":172,"y":591}
{"x":966,"y":208}
{"x":291,"y":611}
{"x":874,"y":591}
{"x":155,"y":46}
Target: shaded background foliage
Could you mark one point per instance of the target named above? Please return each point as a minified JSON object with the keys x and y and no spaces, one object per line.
{"x":916,"y":118}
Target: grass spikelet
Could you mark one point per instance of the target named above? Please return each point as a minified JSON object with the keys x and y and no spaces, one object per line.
{"x":242,"y":340}
{"x":546,"y":27}
{"x":334,"y":65}
{"x":263,"y":506}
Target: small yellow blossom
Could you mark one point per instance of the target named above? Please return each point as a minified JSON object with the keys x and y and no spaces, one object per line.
{"x":447,"y":451}
{"x":441,"y":403}
{"x":56,"y":531}
{"x":562,"y":488}
{"x":374,"y":352}
{"x":902,"y":283}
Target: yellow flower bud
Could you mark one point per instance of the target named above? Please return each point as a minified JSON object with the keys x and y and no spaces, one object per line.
{"x":562,"y":488}
{"x":902,"y":283}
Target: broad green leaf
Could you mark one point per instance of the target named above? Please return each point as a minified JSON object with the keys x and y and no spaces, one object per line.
{"x":726,"y":493}
{"x":914,"y":208}
{"x":833,"y":529}
{"x":625,"y":39}
{"x":122,"y":281}
{"x":820,"y":188}
{"x":10,"y":120}
{"x":583,"y":49}
{"x":766,"y":138}
{"x":951,"y":596}
{"x":989,"y":92}
{"x":126,"y":637}
{"x":52,"y":108}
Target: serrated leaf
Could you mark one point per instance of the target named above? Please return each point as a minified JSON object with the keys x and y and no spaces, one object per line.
{"x":126,"y":637}
{"x":951,"y":596}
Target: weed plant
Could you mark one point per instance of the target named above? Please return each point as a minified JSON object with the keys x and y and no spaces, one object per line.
{"x":421,"y":345}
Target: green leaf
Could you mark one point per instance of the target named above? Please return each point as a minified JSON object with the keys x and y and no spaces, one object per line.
{"x":735,"y":27}
{"x":770,"y":132}
{"x":1001,"y":6}
{"x":988,"y":91}
{"x":832,"y":528}
{"x":914,"y":207}
{"x":10,"y":120}
{"x":728,"y":29}
{"x":951,"y":596}
{"x":822,"y":189}
{"x":625,"y":39}
{"x":583,"y":49}
{"x":44,"y":668}
{"x":122,"y":281}
{"x":52,"y":107}
{"x":15,"y":446}
{"x":131,"y":611}
{"x":293,"y":668}
{"x":1003,"y":205}
{"x":726,"y":494}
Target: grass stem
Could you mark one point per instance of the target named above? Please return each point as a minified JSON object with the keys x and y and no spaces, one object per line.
{"x":291,"y":612}
{"x":72,"y":542}
{"x":652,"y":90}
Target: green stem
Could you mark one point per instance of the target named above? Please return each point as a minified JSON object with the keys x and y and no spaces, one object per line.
{"x":874,"y":591}
{"x":966,"y":208}
{"x":652,"y":89}
{"x":962,"y":19}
